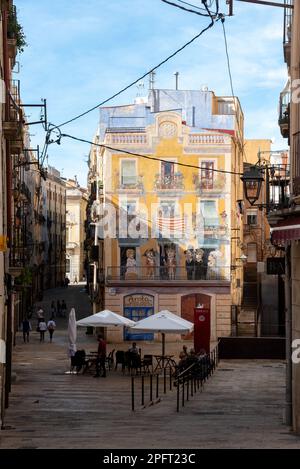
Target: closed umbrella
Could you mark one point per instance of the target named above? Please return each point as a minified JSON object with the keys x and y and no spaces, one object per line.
{"x":164,"y":322}
{"x":72,"y":333}
{"x":105,"y":318}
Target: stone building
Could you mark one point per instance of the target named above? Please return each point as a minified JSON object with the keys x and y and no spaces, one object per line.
{"x":170,"y":246}
{"x":76,"y":204}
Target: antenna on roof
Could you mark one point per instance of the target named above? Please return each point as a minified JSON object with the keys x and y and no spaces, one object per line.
{"x":140,"y":88}
{"x":151,"y":80}
{"x":176,"y":80}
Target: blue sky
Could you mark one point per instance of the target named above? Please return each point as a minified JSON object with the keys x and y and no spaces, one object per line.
{"x":80,"y":53}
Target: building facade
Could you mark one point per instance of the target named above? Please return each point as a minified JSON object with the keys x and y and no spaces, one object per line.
{"x":55,"y":192}
{"x":167,"y":218}
{"x":76,"y":206}
{"x":284,"y":217}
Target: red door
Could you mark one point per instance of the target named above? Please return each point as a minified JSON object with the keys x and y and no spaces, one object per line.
{"x":202,"y":330}
{"x":188,"y":305}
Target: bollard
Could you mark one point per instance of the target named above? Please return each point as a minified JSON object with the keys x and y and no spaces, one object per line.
{"x":170,"y":379}
{"x":132,"y":393}
{"x":183,"y":384}
{"x":151,"y":398}
{"x":143,"y":391}
{"x":187,"y":387}
{"x":157,"y":385}
{"x":192,"y":385}
{"x":178,"y":395}
{"x":165,"y":380}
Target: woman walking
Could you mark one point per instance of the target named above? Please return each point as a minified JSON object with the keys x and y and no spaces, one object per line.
{"x":42,"y":328}
{"x":51,"y":328}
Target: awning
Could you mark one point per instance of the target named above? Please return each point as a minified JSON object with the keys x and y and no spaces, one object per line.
{"x":286,"y":230}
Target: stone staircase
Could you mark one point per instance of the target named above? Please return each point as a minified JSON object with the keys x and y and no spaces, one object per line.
{"x":247,"y":315}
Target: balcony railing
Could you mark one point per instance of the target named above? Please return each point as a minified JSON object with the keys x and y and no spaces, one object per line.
{"x":169,"y":183}
{"x":215,"y":184}
{"x":170,"y":274}
{"x":284,"y":113}
{"x":278,"y":187}
{"x":287,"y":31}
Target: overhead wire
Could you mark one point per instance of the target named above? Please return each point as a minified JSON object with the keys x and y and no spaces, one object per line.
{"x":131,"y":153}
{"x":189,"y":9}
{"x":139,"y":78}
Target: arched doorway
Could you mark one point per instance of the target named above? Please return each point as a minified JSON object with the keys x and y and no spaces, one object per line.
{"x":188,"y":304}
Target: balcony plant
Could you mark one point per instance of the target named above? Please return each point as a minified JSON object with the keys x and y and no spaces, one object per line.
{"x":15,"y":31}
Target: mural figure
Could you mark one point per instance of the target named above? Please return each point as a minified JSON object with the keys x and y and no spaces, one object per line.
{"x":200,"y":267}
{"x":189,"y":263}
{"x":131,"y":269}
{"x":212,"y":271}
{"x":170,"y":262}
{"x":150,"y":263}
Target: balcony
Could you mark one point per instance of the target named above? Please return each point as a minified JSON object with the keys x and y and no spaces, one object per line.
{"x":287,"y":31}
{"x":206,"y":186}
{"x":163,"y":276}
{"x":278,"y":188}
{"x":284,"y":112}
{"x":12,"y":126}
{"x":169,"y":184}
{"x":132,"y":185}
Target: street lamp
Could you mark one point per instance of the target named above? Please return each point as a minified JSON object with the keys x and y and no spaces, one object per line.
{"x":252,"y":181}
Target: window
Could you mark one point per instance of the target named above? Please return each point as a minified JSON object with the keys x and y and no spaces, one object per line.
{"x":209,"y":212}
{"x":252,"y":217}
{"x":251,"y":252}
{"x":167,"y":209}
{"x":207,"y":174}
{"x":128,"y":172}
{"x":167,"y":169}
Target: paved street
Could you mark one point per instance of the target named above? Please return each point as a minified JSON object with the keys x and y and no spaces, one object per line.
{"x":240,"y":407}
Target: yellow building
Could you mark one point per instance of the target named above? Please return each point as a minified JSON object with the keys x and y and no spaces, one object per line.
{"x":169,"y":218}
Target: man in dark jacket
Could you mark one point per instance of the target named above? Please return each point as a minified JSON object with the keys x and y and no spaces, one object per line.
{"x":26,"y":328}
{"x":101,"y":358}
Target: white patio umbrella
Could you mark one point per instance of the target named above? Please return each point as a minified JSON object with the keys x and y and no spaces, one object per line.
{"x":104,"y":319}
{"x":164,"y":322}
{"x":72,"y":332}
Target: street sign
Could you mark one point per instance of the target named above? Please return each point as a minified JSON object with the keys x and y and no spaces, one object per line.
{"x":276,"y":265}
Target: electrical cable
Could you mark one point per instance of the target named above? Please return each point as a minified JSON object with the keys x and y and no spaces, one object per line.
{"x":191,"y":11}
{"x":107,"y":147}
{"x":231,"y":85}
{"x":138,"y":79}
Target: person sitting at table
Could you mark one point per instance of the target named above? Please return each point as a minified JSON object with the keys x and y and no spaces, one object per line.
{"x":134,"y":357}
{"x":134,"y":349}
{"x":184,"y":351}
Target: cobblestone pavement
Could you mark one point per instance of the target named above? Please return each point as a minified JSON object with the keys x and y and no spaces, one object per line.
{"x":241,"y":406}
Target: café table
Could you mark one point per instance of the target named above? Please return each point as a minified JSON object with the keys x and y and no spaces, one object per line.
{"x":163,"y":361}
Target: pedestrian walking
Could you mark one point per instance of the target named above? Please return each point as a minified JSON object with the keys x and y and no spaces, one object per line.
{"x":63,"y":309}
{"x":58,"y":308}
{"x":67,"y":281}
{"x":42,"y":329}
{"x":53,"y":309}
{"x":26,"y":328}
{"x":100,"y":365}
{"x":75,"y":279}
{"x":51,"y":327}
{"x":40,"y":314}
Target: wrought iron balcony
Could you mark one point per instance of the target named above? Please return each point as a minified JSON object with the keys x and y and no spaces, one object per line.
{"x":284,"y":112}
{"x":216,"y":184}
{"x":278,"y":188}
{"x":149,"y":274}
{"x":287,"y":31}
{"x":169,"y":183}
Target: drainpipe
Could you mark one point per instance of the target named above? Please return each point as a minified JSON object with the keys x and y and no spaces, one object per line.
{"x":288,"y":324}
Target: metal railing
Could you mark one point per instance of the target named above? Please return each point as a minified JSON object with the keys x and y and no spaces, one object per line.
{"x":278,"y":187}
{"x":287,"y":26}
{"x":147,"y":389}
{"x":170,"y":273}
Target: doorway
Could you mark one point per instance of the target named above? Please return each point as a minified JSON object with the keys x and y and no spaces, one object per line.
{"x":188,"y":304}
